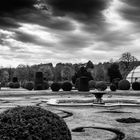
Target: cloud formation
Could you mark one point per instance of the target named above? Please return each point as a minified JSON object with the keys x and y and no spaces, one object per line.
{"x":34,"y":31}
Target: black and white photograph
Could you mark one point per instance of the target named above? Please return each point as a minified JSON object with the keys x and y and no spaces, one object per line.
{"x":69,"y":69}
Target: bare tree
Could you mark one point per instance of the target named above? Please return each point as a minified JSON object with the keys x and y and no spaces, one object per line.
{"x":127,"y":63}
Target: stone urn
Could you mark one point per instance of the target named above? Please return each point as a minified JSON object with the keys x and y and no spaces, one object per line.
{"x":98,"y":95}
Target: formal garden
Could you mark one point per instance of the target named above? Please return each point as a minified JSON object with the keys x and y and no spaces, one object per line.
{"x":77,"y":109}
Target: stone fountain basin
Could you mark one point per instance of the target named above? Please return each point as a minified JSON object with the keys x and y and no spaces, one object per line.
{"x":89,"y":102}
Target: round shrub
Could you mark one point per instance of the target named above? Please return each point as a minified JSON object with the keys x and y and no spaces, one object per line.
{"x":136,"y":86}
{"x":38,"y":86}
{"x":29,"y":85}
{"x":101,"y":85}
{"x":67,"y":86}
{"x":45,"y":85}
{"x":92,"y":84}
{"x":16,"y":85}
{"x":32,"y":123}
{"x":15,"y":79}
{"x":11,"y":85}
{"x":113,"y":87}
{"x":55,"y":86}
{"x":124,"y":85}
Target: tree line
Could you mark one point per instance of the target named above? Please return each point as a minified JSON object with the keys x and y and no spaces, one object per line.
{"x":65,"y":71}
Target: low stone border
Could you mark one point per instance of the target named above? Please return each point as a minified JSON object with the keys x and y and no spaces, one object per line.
{"x":118,"y":134}
{"x":72,"y":103}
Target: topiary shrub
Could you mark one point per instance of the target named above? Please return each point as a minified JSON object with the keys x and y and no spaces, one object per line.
{"x":124,"y":85}
{"x":14,"y":85}
{"x":38,"y":87}
{"x":15,"y":79}
{"x":11,"y":85}
{"x":67,"y":86}
{"x":32,"y":123}
{"x":136,"y":86}
{"x":92,"y":84}
{"x":29,"y":85}
{"x":38,"y":81}
{"x":55,"y":86}
{"x":113,"y":87}
{"x":83,"y":84}
{"x":45,"y":85}
{"x":101,"y":85}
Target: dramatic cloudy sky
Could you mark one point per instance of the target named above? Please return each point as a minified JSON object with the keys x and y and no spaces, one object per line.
{"x":42,"y":31}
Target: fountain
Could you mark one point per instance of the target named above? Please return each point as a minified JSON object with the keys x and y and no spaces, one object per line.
{"x":98,"y":95}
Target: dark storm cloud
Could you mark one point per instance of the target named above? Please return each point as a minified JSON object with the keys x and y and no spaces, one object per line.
{"x":11,"y":6}
{"x":8,"y":22}
{"x":24,"y":37}
{"x":75,"y":42}
{"x":131,"y":11}
{"x":135,"y":3}
{"x":28,"y":38}
{"x":11,"y":10}
{"x":81,"y":8}
{"x":89,"y":12}
{"x":48,"y":21}
{"x":114,"y":39}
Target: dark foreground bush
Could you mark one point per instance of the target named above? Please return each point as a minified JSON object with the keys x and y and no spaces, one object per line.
{"x":32,"y":123}
{"x":124,"y":85}
{"x":55,"y":86}
{"x":136,"y":86}
{"x":101,"y":85}
{"x":113,"y":87}
{"x":29,"y":85}
{"x":67,"y":86}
